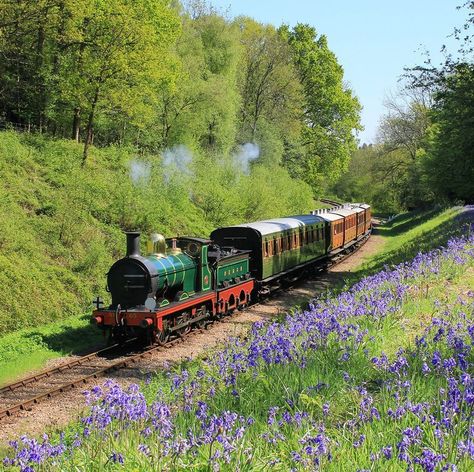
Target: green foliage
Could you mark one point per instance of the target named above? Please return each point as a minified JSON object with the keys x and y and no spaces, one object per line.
{"x":336,"y":391}
{"x":270,"y":89}
{"x":62,"y":222}
{"x":91,"y":58}
{"x":389,"y":179}
{"x":30,"y":348}
{"x":156,"y":76}
{"x":425,"y":150}
{"x":170,"y":95}
{"x":450,"y":163}
{"x":331,"y":112}
{"x":410,"y":233}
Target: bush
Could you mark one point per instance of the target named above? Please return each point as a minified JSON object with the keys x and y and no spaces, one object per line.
{"x":62,"y":223}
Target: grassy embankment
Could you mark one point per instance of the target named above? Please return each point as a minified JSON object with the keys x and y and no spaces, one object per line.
{"x":61,"y":228}
{"x":409,"y":233}
{"x":30,"y":348}
{"x":375,"y":378}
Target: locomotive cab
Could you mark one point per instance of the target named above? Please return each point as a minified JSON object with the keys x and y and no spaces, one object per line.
{"x":197,"y":249}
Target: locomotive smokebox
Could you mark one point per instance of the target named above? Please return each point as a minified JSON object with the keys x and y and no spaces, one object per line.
{"x":133,"y":243}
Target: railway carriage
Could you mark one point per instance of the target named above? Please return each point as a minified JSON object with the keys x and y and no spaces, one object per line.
{"x":350,"y":223}
{"x":360,"y":220}
{"x":278,"y":245}
{"x":367,"y":215}
{"x":334,"y":230}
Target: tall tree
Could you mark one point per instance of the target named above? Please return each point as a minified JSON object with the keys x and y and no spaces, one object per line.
{"x":121,"y":48}
{"x":270,"y":87}
{"x":200,"y":108}
{"x":451,"y":162}
{"x":27,"y":30}
{"x":331,"y":111}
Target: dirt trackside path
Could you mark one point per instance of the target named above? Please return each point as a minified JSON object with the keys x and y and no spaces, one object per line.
{"x":56,"y":413}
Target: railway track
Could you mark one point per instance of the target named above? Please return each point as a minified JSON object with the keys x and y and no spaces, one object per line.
{"x":329,"y":202}
{"x":23,"y":394}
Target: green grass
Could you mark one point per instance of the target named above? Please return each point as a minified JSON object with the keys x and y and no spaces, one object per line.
{"x":30,"y":348}
{"x":291,"y":387}
{"x":61,"y":227}
{"x":407,"y":235}
{"x":62,"y":223}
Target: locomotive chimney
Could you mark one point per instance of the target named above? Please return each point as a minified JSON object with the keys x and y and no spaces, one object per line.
{"x":133,"y":243}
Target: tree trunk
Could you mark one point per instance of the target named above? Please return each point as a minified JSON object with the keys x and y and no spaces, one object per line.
{"x":90,"y":123}
{"x":76,"y":124}
{"x":41,"y":99}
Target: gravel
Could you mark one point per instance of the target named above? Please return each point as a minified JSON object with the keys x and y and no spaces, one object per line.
{"x":54,"y":414}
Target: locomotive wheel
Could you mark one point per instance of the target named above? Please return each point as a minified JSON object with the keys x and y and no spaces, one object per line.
{"x":118,"y":336}
{"x":183,"y":318}
{"x":162,"y":337}
{"x":202,"y":323}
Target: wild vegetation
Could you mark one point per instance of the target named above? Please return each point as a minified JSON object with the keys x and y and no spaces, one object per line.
{"x":155,"y":74}
{"x":62,"y":222}
{"x":29,"y":347}
{"x":375,"y":377}
{"x":150,"y":115}
{"x":159,"y":116}
{"x":424,"y":153}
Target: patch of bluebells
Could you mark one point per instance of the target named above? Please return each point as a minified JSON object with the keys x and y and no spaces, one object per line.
{"x":437,"y":432}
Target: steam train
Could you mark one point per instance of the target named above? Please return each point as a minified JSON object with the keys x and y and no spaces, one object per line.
{"x":184,"y":282}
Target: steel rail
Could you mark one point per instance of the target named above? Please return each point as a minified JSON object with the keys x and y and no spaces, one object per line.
{"x":48,"y":372}
{"x":83,"y":379}
{"x":330,"y":202}
{"x":101,"y":370}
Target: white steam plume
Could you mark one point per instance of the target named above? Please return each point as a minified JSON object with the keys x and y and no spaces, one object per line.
{"x":177,"y":159}
{"x":245,"y":154}
{"x":140,"y":172}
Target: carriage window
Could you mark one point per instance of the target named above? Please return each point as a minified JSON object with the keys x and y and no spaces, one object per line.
{"x":265,"y":249}
{"x":289,"y":241}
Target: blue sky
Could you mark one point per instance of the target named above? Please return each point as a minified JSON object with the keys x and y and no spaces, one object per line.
{"x":373,"y":40}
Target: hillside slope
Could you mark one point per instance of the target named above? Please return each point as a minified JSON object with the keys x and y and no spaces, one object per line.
{"x":61,"y":223}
